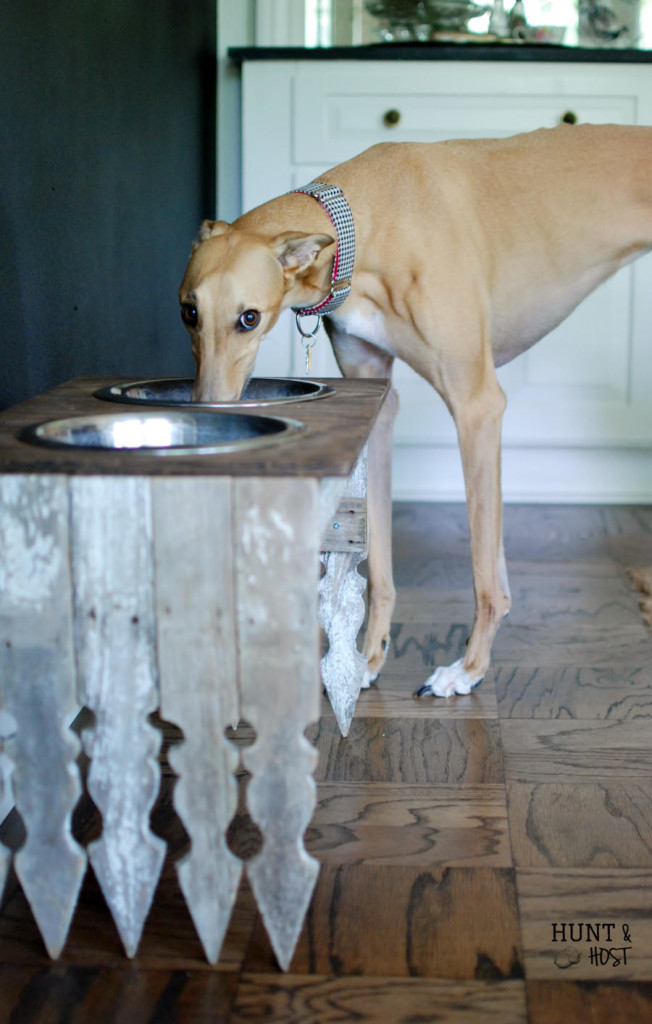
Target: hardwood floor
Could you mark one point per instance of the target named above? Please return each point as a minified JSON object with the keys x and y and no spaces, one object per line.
{"x":484,"y":859}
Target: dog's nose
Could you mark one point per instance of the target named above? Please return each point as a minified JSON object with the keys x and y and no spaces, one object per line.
{"x":205,"y":391}
{"x":202,"y":393}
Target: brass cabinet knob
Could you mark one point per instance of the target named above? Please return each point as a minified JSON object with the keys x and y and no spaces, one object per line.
{"x":570,"y":117}
{"x":391,"y":118}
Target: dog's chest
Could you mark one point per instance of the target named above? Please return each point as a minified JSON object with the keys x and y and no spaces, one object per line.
{"x":370,"y":327}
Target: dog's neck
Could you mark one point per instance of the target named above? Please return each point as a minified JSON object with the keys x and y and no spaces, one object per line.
{"x":332,"y":200}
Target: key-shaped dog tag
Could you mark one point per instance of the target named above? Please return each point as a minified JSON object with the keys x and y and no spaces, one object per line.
{"x":308,"y":338}
{"x":309,"y":345}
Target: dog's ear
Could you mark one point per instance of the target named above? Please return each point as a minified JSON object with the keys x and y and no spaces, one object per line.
{"x":208,"y":229}
{"x":298,"y":251}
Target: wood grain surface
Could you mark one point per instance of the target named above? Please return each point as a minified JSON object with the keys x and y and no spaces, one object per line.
{"x":336,"y":429}
{"x":452,"y":835}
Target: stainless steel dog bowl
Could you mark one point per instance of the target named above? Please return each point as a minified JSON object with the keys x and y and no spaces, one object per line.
{"x":176,"y":391}
{"x":164,"y":433}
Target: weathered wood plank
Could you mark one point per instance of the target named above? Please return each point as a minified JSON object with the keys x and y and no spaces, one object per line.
{"x":114,"y":635}
{"x":37,"y":683}
{"x":196,"y":644}
{"x":7,"y":729}
{"x":347,"y":528}
{"x":341,"y":613}
{"x":338,"y":428}
{"x":277,"y":571}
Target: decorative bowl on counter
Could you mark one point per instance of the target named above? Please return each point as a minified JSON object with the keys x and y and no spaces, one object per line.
{"x":452,"y":15}
{"x":410,"y":20}
{"x":545,"y":33}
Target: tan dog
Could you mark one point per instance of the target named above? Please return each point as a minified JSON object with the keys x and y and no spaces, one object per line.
{"x":467,"y":253}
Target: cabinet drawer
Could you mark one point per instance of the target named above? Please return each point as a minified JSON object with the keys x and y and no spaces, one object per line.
{"x":337,"y":116}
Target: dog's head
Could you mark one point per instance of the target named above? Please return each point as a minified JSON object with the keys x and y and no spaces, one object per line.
{"x":235,"y":287}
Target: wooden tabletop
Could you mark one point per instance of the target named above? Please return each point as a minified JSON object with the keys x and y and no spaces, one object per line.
{"x":336,"y":429}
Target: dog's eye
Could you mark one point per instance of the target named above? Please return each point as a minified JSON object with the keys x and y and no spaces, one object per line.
{"x":249,"y":319}
{"x":189,"y":314}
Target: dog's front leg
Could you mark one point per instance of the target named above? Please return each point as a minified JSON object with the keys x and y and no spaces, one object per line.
{"x":357,"y":358}
{"x":478,"y":416}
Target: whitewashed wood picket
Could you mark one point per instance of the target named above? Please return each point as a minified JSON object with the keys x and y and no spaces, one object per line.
{"x":195,"y":600}
{"x":115,"y":645}
{"x":341,"y":600}
{"x":198,"y":596}
{"x":38,"y":692}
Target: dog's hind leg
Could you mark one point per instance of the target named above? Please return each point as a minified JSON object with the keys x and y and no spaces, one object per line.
{"x":356,"y":358}
{"x":478,"y":410}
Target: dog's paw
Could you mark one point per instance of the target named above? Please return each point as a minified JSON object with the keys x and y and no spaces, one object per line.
{"x":368,"y":678}
{"x":447,"y":681}
{"x":376,"y":655}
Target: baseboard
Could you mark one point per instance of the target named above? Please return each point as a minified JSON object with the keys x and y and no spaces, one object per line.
{"x":543,"y":475}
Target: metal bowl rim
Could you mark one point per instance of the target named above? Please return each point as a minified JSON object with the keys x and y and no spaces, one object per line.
{"x":115,"y":393}
{"x":31,"y":434}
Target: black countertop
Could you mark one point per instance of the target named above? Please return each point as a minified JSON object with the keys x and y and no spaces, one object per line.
{"x":543,"y":52}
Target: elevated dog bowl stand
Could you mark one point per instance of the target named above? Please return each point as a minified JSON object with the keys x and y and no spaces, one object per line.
{"x":188,"y":583}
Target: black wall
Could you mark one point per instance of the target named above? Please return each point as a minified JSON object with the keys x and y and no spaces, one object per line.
{"x":106,"y":168}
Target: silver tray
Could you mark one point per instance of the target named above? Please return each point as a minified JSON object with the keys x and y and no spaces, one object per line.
{"x":176,"y":391}
{"x":163,"y":433}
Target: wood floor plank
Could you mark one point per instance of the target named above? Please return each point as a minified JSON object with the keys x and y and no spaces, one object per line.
{"x":589,"y":533}
{"x":619,"y":646}
{"x":377,"y":823}
{"x":387,"y":921}
{"x":541,"y":595}
{"x":78,"y":995}
{"x":561,"y":1002}
{"x":393,"y":697}
{"x":572,"y":691}
{"x":411,"y":658}
{"x":550,"y":898}
{"x":294,"y":999}
{"x":581,"y":825}
{"x":542,"y":533}
{"x":169,"y":939}
{"x":575,"y":750}
{"x":418,"y":647}
{"x":414,"y":751}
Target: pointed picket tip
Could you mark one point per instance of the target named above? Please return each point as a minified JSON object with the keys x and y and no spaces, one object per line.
{"x":5,"y":861}
{"x":128,"y":880}
{"x":343,"y":678}
{"x":344,"y":669}
{"x":343,"y":705}
{"x":52,"y":893}
{"x":210,"y":890}
{"x":283,"y":884}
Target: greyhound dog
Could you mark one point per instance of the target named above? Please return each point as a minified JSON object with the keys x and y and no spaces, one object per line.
{"x":466,"y":254}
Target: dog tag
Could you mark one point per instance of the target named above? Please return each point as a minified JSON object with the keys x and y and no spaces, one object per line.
{"x":308,"y":338}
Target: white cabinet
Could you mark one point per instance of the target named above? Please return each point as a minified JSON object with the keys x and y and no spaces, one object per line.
{"x":579,"y":419}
